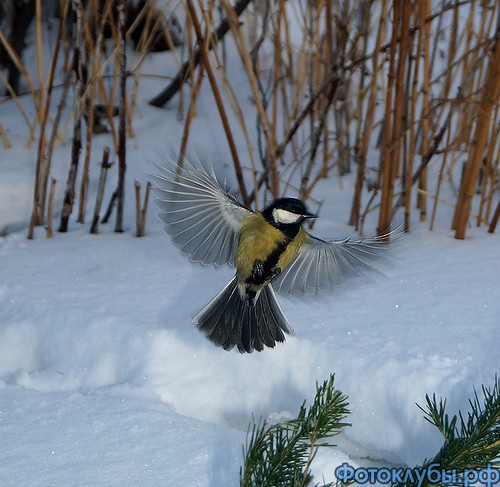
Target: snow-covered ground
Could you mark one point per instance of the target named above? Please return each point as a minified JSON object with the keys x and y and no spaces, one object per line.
{"x":104,"y":381}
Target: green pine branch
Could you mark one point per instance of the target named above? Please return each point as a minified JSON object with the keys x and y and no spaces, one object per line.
{"x":470,"y":442}
{"x":281,"y":454}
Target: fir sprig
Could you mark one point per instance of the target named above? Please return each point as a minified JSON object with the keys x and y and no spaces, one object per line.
{"x":281,"y":454}
{"x":470,"y":442}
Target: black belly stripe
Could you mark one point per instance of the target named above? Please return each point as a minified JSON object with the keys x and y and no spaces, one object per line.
{"x":269,"y":265}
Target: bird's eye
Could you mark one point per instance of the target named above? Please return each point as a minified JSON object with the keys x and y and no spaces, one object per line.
{"x":284,"y":216}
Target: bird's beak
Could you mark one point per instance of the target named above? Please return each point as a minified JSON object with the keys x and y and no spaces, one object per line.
{"x":310,"y":215}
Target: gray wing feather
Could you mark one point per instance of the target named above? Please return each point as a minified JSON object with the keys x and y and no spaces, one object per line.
{"x":322,"y":265}
{"x":198,"y":213}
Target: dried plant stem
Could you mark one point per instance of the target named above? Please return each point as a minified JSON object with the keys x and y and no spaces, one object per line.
{"x":246,"y":58}
{"x":109,"y":209}
{"x":105,"y":165}
{"x":50,"y":208}
{"x":5,"y":139}
{"x":304,"y":190}
{"x":46,"y":161}
{"x":90,"y":102}
{"x":141,"y":212}
{"x":240,"y":117}
{"x":14,"y":57}
{"x":31,"y":125}
{"x":487,"y":167}
{"x":276,"y":78}
{"x":368,"y":120}
{"x":39,"y":55}
{"x":69,"y":193}
{"x":190,"y":115}
{"x":426,"y":68}
{"x":494,"y":176}
{"x":494,"y":220}
{"x":42,"y":163}
{"x":218,"y":100}
{"x":184,"y":73}
{"x":195,"y":91}
{"x":491,"y":92}
{"x":122,"y":130}
{"x":393,"y":111}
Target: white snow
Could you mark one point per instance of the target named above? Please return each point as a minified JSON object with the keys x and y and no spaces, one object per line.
{"x":104,"y":381}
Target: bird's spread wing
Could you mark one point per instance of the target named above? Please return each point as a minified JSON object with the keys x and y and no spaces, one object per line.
{"x":200,"y":216}
{"x":321,"y":265}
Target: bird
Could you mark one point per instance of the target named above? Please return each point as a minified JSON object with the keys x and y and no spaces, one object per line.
{"x":270,"y":250}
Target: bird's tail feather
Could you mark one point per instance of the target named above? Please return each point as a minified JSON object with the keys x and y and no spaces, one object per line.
{"x":229,"y":321}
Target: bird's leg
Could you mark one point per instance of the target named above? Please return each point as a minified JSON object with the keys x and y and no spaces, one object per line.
{"x":258,"y":279}
{"x":259,"y":275}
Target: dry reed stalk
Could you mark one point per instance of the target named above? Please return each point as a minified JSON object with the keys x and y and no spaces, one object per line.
{"x":191,"y":112}
{"x":328,"y":63}
{"x":122,"y":107}
{"x":277,"y":45}
{"x":316,"y":139}
{"x":451,"y":51}
{"x":189,"y":65}
{"x":54,"y":135}
{"x":187,"y":68}
{"x":412,"y":85}
{"x":94,"y":52}
{"x":450,"y":204}
{"x":18,"y":63}
{"x":31,"y":125}
{"x":299,"y":120}
{"x":45,"y":152}
{"x":246,"y":58}
{"x":69,"y":192}
{"x":14,"y":57}
{"x":457,"y":102}
{"x":369,"y":117}
{"x":288,"y":46}
{"x":240,"y":117}
{"x":50,"y":208}
{"x":494,"y":176}
{"x":39,"y":56}
{"x":84,"y":183}
{"x":141,"y":212}
{"x":400,"y":98}
{"x":494,"y":220}
{"x":218,"y":99}
{"x":42,"y":162}
{"x":138,"y":223}
{"x":325,"y":169}
{"x":441,"y":173}
{"x":144,"y":48}
{"x":489,"y":98}
{"x":5,"y":138}
{"x":426,"y":88}
{"x":486,"y":171}
{"x":387,"y":159}
{"x":90,"y":103}
{"x":105,"y":165}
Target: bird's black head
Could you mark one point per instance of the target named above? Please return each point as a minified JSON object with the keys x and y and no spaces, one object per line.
{"x":287,"y":214}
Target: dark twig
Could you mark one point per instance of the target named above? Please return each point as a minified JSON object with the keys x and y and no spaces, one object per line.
{"x":122,"y":131}
{"x":187,"y":68}
{"x":100,"y":192}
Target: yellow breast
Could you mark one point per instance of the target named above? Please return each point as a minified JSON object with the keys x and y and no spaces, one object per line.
{"x":258,"y":241}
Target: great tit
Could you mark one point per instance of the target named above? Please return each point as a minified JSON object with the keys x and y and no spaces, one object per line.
{"x":270,"y":250}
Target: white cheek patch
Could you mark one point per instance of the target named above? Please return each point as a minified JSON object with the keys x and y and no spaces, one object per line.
{"x":285,"y":216}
